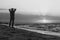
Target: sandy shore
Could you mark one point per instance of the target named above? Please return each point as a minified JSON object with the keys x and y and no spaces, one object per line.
{"x":20,"y":34}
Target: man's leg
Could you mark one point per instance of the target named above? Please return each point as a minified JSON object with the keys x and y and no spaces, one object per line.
{"x":10,"y":22}
{"x":13,"y":29}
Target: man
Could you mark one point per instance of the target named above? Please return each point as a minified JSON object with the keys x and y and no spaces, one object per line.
{"x":12,"y":17}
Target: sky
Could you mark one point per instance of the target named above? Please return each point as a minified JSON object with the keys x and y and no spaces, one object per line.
{"x":32,"y":10}
{"x":35,"y":7}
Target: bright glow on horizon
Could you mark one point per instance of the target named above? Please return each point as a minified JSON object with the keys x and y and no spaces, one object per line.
{"x":43,"y":21}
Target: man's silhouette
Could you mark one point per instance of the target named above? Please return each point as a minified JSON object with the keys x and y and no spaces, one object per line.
{"x":12,"y":17}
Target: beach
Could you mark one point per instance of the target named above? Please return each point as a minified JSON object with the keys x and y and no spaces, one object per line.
{"x":7,"y":33}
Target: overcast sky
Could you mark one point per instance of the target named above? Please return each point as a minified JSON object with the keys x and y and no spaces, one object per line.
{"x":51,"y":7}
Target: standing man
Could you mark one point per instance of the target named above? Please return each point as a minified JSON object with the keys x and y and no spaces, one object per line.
{"x":12,"y":17}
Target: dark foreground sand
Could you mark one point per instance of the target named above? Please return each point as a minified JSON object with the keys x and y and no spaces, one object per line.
{"x":7,"y":33}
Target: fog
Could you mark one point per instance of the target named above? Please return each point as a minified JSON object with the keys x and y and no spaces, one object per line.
{"x":38,"y":7}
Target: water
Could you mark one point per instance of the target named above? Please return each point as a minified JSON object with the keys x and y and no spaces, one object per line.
{"x":20,"y":18}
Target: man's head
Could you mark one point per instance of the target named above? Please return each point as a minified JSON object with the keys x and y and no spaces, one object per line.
{"x":12,"y":10}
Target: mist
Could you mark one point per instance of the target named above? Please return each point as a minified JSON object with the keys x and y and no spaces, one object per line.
{"x":33,"y":7}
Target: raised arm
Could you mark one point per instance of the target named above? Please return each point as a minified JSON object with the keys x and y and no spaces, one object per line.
{"x":12,"y":10}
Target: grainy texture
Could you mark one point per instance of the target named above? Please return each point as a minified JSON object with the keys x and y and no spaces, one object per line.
{"x":7,"y":33}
